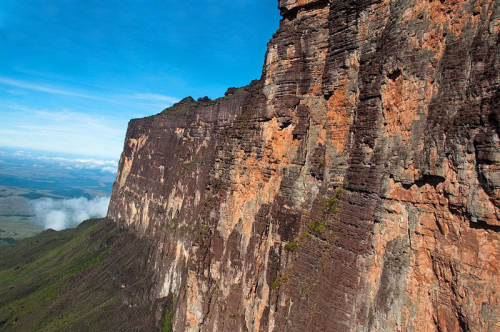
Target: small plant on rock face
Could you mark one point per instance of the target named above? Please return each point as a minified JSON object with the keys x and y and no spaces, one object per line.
{"x":332,"y":202}
{"x":291,"y":246}
{"x":302,"y":236}
{"x":279,"y":281}
{"x":187,"y":166}
{"x":318,"y":226}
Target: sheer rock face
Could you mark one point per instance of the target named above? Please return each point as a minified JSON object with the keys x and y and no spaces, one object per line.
{"x":356,"y":186}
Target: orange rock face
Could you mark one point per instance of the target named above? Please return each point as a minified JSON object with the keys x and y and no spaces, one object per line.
{"x":355,"y":187}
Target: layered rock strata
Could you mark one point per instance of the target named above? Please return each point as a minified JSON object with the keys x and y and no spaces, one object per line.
{"x":355,"y":187}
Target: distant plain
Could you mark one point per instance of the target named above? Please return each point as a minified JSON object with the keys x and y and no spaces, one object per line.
{"x":29,"y":176}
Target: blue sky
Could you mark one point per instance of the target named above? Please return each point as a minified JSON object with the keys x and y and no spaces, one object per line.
{"x":72,"y":73}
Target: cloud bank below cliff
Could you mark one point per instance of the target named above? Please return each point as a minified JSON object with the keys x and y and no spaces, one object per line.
{"x":67,"y":213}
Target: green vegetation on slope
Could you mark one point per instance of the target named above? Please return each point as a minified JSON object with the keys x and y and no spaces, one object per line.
{"x":92,"y":278}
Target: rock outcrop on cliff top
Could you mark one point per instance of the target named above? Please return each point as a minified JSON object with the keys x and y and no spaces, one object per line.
{"x":354,"y":187}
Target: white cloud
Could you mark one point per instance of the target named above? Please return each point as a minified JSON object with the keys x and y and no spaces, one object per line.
{"x":66,"y":213}
{"x":54,"y":219}
{"x":102,"y":165}
{"x":109,"y":169}
{"x":118,"y":99}
{"x":157,"y":98}
{"x":30,"y":86}
{"x":110,"y":166}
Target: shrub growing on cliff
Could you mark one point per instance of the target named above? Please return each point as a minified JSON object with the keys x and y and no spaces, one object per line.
{"x":332,"y":202}
{"x":279,"y":281}
{"x":230,"y":91}
{"x":317,"y":226}
{"x":291,"y":246}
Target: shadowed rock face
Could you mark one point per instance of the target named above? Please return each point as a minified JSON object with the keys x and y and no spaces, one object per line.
{"x":356,"y":186}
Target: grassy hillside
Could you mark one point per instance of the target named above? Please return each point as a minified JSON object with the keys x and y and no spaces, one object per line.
{"x":16,"y":219}
{"x":92,"y":278}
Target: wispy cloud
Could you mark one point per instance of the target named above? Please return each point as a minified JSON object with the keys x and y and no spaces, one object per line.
{"x":66,"y":132}
{"x":120,"y":98}
{"x":156,"y":98}
{"x":93,"y":125}
{"x":29,"y":86}
{"x":66,"y":79}
{"x":17,"y":92}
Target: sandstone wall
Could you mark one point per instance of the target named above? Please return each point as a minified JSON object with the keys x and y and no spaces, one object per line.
{"x":355,"y":187}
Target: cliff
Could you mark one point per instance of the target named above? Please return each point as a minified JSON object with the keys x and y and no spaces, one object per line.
{"x":354,"y":187}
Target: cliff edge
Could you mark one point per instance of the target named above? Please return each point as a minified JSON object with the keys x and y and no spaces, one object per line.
{"x":354,"y":187}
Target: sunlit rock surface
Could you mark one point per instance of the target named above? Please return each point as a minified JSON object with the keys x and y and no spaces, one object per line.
{"x":354,"y":187}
